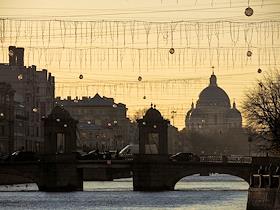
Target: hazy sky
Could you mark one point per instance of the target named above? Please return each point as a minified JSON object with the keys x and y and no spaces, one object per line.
{"x":113,"y":42}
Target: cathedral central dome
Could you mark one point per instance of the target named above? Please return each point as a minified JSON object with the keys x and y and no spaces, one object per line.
{"x":213,"y":95}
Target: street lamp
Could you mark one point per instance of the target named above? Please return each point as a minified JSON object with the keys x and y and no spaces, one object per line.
{"x":173,"y":112}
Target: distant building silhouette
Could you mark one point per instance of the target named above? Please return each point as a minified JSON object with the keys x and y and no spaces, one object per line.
{"x":33,"y":99}
{"x":213,"y":126}
{"x":103,"y":124}
{"x":213,"y":112}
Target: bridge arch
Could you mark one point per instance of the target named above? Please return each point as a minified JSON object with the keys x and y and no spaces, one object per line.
{"x":240,"y":172}
{"x":188,"y":182}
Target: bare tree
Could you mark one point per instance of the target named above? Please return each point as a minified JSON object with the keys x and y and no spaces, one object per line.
{"x":261,"y":109}
{"x":138,"y":114}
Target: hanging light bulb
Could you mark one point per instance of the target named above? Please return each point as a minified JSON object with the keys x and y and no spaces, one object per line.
{"x":20,"y":77}
{"x":249,"y":11}
{"x":259,"y":71}
{"x":249,"y":53}
{"x":81,"y":76}
{"x":139,"y":78}
{"x":171,"y":51}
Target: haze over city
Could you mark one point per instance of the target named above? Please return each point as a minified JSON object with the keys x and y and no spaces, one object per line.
{"x":112,"y":43}
{"x":151,"y":104}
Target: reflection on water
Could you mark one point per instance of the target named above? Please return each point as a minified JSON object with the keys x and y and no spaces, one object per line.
{"x":218,"y":192}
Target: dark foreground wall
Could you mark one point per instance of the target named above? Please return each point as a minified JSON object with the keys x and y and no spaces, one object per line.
{"x":264,"y":192}
{"x":263,"y":199}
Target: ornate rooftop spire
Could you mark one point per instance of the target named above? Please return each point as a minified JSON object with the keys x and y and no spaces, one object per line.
{"x":213,"y":80}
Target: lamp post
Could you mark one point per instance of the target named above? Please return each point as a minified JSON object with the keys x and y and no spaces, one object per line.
{"x":173,"y":112}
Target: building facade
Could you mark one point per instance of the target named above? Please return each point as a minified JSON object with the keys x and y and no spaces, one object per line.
{"x":213,"y":126}
{"x":6,"y":118}
{"x":213,"y":112}
{"x":103,"y":124}
{"x":33,"y":99}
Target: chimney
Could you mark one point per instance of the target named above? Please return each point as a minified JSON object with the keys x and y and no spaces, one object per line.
{"x":20,"y":56}
{"x":12,"y":55}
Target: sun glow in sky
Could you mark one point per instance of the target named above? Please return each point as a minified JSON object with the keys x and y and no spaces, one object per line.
{"x":113,"y":42}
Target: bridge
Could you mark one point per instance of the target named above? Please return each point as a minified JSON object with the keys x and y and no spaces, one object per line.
{"x":152,"y":169}
{"x":150,"y":172}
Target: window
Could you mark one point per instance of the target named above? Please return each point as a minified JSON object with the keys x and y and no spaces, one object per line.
{"x":37,"y":131}
{"x":152,"y":144}
{"x":2,"y":130}
{"x":60,"y":143}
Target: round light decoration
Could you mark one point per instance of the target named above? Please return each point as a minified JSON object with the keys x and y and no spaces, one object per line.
{"x":88,"y":122}
{"x":139,"y":78}
{"x":115,"y":122}
{"x":249,"y":11}
{"x":57,"y":120}
{"x":155,"y":126}
{"x":144,"y":123}
{"x":11,"y":53}
{"x":249,"y":53}
{"x":35,"y":109}
{"x":65,"y":125}
{"x":115,"y":105}
{"x":109,"y":124}
{"x":75,"y":101}
{"x":259,"y":71}
{"x":171,"y":51}
{"x":20,"y":77}
{"x":81,"y":76}
{"x":1,"y":114}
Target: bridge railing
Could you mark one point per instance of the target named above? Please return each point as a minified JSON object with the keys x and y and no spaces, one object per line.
{"x":225,"y":159}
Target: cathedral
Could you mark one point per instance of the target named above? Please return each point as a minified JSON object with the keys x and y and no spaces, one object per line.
{"x":213,"y":126}
{"x":213,"y":112}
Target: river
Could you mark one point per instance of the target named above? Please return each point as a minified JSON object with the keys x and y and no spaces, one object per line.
{"x":218,"y":192}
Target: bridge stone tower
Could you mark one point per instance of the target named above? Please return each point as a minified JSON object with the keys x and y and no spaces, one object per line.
{"x":153,"y":153}
{"x":58,"y":168}
{"x":153,"y":133}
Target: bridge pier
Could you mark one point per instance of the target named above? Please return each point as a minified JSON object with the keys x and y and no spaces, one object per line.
{"x":59,"y":174}
{"x":58,"y":167}
{"x":151,"y":173}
